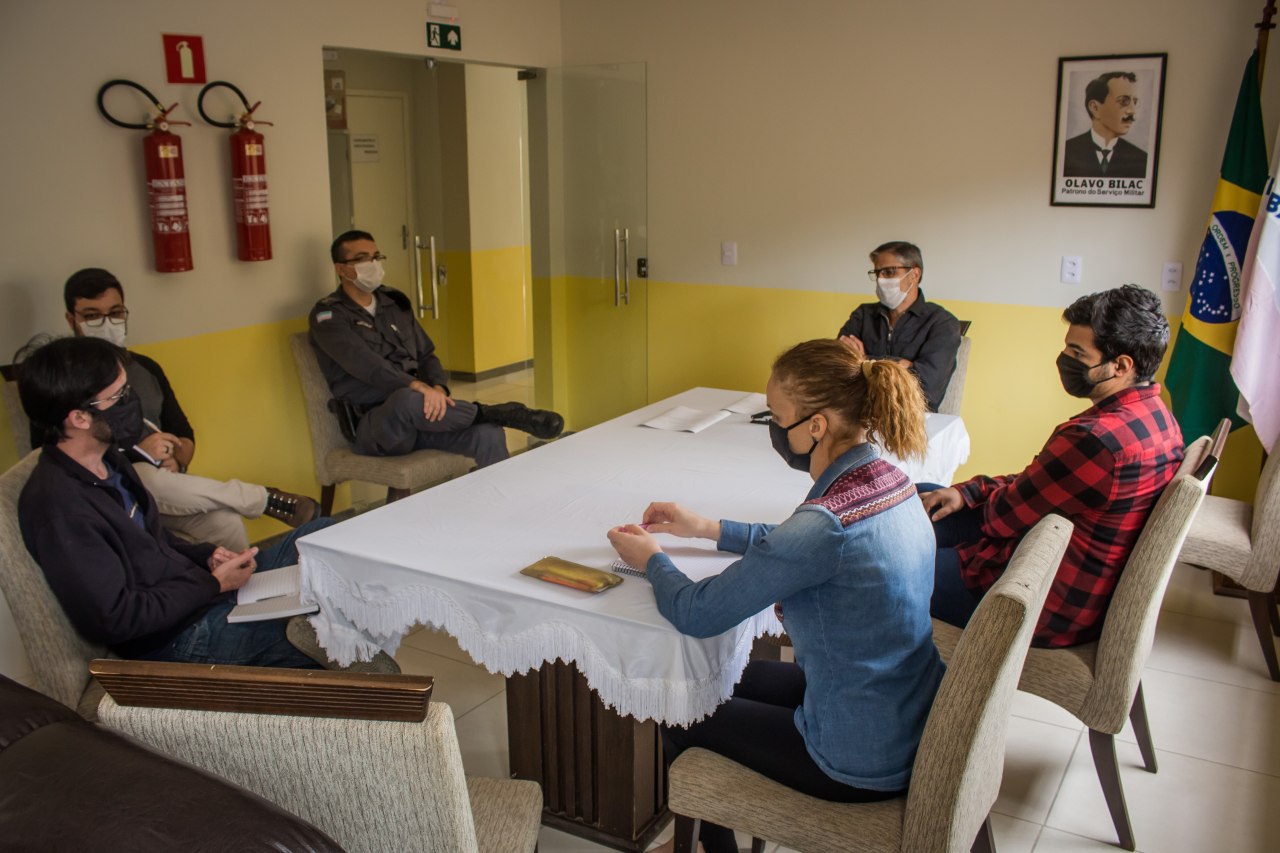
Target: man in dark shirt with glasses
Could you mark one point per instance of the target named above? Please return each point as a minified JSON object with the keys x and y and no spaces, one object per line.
{"x":123,"y":580}
{"x":922,"y":336}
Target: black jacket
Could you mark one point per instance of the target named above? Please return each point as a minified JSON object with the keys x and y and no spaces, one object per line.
{"x":927,"y":335}
{"x":1080,"y":159}
{"x":130,"y":588}
{"x":367,"y":358}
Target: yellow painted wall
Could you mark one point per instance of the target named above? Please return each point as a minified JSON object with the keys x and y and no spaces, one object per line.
{"x":727,"y":337}
{"x":241,"y":391}
{"x":460,"y":316}
{"x":500,"y":302}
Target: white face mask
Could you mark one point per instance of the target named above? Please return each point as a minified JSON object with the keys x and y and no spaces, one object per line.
{"x":108,"y":331}
{"x":369,"y":275}
{"x":890,"y":292}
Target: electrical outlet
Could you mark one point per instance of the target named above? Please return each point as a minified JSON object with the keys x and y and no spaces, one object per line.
{"x":1070,"y":269}
{"x":1171,"y":276}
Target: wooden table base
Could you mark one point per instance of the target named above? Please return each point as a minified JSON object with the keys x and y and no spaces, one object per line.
{"x":601,"y":773}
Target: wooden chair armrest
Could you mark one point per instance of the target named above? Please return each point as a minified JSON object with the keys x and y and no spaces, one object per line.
{"x":265,"y":690}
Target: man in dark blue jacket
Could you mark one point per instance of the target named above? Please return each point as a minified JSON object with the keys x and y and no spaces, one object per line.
{"x":123,"y":579}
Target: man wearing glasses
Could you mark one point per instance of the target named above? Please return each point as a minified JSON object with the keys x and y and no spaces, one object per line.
{"x":1112,"y":102}
{"x":197,"y":508}
{"x":922,"y":336}
{"x":382,"y":367}
{"x":122,"y":579}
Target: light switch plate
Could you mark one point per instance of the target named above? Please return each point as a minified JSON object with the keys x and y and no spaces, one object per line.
{"x":1171,"y":276}
{"x":728,"y":253}
{"x":1070,"y":269}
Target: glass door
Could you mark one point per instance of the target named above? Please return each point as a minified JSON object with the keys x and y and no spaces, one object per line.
{"x":596,"y":129}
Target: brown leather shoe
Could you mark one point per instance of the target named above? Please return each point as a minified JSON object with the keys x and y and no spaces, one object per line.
{"x":293,"y":510}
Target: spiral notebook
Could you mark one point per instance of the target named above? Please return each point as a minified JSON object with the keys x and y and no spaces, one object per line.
{"x":618,"y":567}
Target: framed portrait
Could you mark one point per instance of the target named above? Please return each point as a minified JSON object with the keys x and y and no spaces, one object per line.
{"x":1106,"y":139}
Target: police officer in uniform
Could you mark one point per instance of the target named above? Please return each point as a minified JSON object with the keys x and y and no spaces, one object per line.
{"x":381,"y":364}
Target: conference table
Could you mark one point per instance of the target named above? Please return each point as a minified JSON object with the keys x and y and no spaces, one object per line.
{"x":589,"y":676}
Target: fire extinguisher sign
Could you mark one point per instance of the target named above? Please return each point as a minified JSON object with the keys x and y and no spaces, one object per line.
{"x":184,"y":58}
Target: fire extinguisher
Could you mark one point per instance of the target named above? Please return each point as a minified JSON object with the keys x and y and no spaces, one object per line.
{"x":166,"y":183}
{"x":248,"y":177}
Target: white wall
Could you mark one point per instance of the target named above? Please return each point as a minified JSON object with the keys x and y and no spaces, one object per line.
{"x":810,"y":132}
{"x":74,"y":190}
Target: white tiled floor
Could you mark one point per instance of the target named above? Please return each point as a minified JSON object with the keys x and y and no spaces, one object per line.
{"x":1215,"y":717}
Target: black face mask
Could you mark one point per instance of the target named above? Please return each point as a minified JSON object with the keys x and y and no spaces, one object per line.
{"x":1075,"y":376}
{"x":778,"y":435}
{"x":124,"y":419}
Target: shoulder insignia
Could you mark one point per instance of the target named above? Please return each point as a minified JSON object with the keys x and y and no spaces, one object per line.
{"x":865,"y":491}
{"x":324,"y":315}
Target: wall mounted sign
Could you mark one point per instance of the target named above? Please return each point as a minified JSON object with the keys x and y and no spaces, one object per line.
{"x":365,"y":148}
{"x":1106,"y":140}
{"x":335,"y":99}
{"x":184,"y":58}
{"x":444,"y":36}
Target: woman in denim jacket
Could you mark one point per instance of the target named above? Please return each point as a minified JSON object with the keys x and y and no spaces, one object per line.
{"x":851,"y":569}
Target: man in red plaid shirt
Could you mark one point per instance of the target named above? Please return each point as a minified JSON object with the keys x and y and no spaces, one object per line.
{"x":1103,"y":469}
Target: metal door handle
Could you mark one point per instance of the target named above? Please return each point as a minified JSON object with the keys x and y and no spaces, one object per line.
{"x":626,"y":266}
{"x":415,"y":264}
{"x":435,"y":279}
{"x":617,"y":279}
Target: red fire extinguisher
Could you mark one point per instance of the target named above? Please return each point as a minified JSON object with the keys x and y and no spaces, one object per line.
{"x":248,"y":177}
{"x":166,"y":183}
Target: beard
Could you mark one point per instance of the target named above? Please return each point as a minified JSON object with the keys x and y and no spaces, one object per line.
{"x":100,"y":430}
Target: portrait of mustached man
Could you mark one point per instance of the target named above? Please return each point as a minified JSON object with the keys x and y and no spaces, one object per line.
{"x":1101,"y":151}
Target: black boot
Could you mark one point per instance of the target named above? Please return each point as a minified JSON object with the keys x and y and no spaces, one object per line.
{"x":539,"y":423}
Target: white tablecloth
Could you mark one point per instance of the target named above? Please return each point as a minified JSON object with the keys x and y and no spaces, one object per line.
{"x":450,"y":557}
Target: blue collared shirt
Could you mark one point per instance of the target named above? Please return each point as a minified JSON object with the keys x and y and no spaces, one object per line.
{"x":855,"y":596}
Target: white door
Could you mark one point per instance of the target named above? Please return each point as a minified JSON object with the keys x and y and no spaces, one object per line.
{"x":380,"y":179}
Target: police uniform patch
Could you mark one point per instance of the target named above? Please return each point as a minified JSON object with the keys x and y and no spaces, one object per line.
{"x":324,"y":315}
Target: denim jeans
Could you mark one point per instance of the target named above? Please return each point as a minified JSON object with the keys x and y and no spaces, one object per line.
{"x":952,"y":601}
{"x":212,"y":639}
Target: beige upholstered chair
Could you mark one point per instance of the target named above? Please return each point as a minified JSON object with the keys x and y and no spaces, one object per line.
{"x":959,"y":762}
{"x":951,"y":400}
{"x":1101,"y":682}
{"x":59,"y":656}
{"x":18,"y":423}
{"x":1242,"y":541}
{"x":336,"y":462}
{"x":370,"y":784}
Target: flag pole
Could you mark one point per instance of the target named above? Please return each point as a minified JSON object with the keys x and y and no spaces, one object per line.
{"x":1264,"y":28}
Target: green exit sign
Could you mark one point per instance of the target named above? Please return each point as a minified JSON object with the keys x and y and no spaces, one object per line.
{"x":444,"y":36}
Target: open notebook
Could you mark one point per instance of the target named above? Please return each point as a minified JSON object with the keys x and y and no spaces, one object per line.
{"x":274,"y":594}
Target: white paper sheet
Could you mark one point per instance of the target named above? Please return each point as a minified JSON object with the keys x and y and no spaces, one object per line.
{"x":685,"y":419}
{"x":271,"y":584}
{"x":748,"y":405}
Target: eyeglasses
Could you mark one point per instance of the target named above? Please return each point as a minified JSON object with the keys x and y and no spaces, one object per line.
{"x":122,"y":394}
{"x":116,"y":315}
{"x":885,"y":272}
{"x":364,"y":258}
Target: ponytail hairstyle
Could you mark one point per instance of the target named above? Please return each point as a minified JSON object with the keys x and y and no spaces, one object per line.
{"x":879,"y":395}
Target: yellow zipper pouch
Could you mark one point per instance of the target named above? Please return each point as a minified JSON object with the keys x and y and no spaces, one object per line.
{"x":574,"y":575}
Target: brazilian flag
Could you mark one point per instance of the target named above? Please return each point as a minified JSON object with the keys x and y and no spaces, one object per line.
{"x":1199,"y":377}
